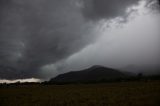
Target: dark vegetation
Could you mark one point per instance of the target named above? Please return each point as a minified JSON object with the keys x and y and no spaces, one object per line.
{"x":135,"y":93}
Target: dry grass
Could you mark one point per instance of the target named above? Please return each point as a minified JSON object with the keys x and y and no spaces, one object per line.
{"x":112,"y":94}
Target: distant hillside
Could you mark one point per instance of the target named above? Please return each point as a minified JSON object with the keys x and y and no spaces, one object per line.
{"x":94,"y":73}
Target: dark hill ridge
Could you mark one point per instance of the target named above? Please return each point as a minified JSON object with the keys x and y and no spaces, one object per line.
{"x":94,"y":73}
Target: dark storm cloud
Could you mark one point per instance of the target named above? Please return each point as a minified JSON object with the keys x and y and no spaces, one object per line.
{"x":39,"y":32}
{"x":106,"y":9}
{"x":34,"y":33}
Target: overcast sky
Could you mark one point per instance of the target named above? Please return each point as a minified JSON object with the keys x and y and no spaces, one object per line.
{"x":43,"y":38}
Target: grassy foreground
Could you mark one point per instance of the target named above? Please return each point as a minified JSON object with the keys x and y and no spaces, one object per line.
{"x":111,"y":94}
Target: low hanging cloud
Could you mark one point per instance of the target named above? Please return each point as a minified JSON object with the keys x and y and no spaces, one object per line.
{"x":34,"y":33}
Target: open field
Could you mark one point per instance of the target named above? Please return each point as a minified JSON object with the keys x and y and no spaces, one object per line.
{"x":111,"y":94}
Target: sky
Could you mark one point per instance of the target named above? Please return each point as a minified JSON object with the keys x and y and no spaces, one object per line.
{"x":43,"y":38}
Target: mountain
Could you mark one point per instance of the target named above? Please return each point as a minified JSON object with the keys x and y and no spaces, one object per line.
{"x":94,"y":73}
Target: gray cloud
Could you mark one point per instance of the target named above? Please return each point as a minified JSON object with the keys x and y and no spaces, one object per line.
{"x":34,"y":33}
{"x":106,"y":9}
{"x":39,"y":32}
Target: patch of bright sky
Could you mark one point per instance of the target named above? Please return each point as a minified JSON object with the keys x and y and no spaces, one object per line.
{"x":20,"y":80}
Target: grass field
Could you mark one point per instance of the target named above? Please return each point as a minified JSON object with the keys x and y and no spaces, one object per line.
{"x":111,"y":94}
